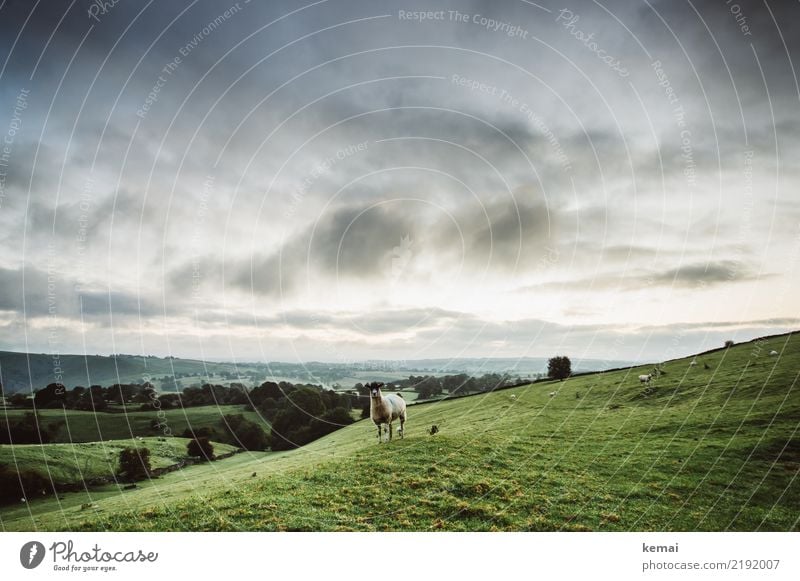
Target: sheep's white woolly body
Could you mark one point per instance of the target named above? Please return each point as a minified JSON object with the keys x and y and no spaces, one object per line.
{"x":384,"y":409}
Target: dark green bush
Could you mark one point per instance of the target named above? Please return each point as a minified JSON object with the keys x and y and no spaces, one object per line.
{"x":200,"y":448}
{"x":134,"y":463}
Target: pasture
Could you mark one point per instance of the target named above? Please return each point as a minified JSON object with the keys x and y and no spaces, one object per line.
{"x":712,"y":446}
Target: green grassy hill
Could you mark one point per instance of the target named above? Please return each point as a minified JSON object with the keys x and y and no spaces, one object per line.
{"x":713,"y":448}
{"x":71,"y":464}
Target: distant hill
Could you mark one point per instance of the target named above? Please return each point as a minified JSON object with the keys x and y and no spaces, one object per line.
{"x":26,"y":371}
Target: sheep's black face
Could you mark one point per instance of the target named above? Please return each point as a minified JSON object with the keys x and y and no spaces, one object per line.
{"x":376,"y":392}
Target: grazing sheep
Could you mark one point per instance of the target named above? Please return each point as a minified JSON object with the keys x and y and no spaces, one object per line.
{"x":384,"y":409}
{"x":773,"y":353}
{"x":552,"y":394}
{"x":513,"y":396}
{"x":646,"y":378}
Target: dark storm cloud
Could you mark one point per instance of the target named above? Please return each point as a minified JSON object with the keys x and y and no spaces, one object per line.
{"x":34,"y":293}
{"x":507,"y":234}
{"x":28,"y":295}
{"x":117,"y":303}
{"x":360,"y":243}
{"x":346,"y":242}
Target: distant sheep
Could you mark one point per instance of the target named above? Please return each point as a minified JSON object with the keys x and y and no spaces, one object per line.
{"x":513,"y":396}
{"x":692,"y":363}
{"x":646,"y":378}
{"x":773,"y":353}
{"x":552,"y":394}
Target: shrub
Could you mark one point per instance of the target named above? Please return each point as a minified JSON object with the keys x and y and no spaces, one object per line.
{"x":559,"y":367}
{"x":26,"y":484}
{"x":134,"y":463}
{"x":200,"y":448}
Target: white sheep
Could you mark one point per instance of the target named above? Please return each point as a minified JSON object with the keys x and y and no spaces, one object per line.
{"x":386,"y":409}
{"x":552,"y":394}
{"x":513,"y":396}
{"x":646,"y":378}
{"x":773,"y":353}
{"x":692,"y":363}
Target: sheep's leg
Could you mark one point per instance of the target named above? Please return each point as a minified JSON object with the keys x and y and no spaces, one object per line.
{"x":379,"y":433}
{"x":402,"y":427}
{"x":390,"y":431}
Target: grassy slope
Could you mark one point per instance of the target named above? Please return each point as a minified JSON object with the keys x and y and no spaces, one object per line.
{"x":82,"y":426}
{"x":75,"y":463}
{"x":713,"y":449}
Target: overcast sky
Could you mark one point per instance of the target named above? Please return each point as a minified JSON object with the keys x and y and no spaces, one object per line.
{"x":340,"y":179}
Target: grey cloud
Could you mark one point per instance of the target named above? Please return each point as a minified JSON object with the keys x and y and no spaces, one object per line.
{"x":503,"y":235}
{"x":689,"y":276}
{"x":708,"y":274}
{"x":510,"y":233}
{"x":33,"y":293}
{"x":347,"y":242}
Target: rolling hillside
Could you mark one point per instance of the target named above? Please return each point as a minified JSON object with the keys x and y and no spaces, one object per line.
{"x":711,"y":446}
